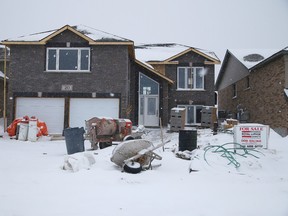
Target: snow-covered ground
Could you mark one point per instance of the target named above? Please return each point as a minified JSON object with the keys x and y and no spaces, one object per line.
{"x":33,"y":183}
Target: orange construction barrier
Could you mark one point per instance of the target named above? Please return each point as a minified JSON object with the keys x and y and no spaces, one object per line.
{"x":42,"y":127}
{"x":12,"y":128}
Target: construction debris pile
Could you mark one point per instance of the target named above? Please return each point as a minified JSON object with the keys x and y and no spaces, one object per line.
{"x":26,"y":128}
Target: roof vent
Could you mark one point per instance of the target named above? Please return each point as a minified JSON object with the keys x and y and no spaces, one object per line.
{"x":253,"y":58}
{"x":83,"y":31}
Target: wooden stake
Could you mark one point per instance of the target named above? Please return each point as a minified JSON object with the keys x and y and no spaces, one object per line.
{"x":161,"y":134}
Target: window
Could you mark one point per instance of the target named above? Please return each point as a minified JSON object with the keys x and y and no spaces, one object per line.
{"x":151,"y":106}
{"x":68,"y":59}
{"x":234,"y":87}
{"x":193,"y":114}
{"x":147,"y":85}
{"x":247,"y":82}
{"x":190,"y":78}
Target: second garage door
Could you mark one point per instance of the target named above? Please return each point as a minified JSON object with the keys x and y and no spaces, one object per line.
{"x":82,"y":109}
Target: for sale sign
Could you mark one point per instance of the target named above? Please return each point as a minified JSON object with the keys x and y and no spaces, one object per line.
{"x":252,"y":135}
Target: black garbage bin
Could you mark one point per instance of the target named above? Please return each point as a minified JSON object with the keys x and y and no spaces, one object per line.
{"x":74,"y":139}
{"x":187,"y":140}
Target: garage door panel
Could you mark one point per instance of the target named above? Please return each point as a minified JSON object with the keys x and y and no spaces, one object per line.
{"x":82,"y":109}
{"x":49,"y":110}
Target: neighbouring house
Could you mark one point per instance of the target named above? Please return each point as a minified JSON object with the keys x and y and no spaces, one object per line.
{"x":253,"y":87}
{"x":2,"y":75}
{"x":68,"y":75}
{"x":191,"y":69}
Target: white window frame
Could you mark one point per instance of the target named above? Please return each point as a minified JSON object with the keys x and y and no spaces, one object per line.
{"x":79,"y":49}
{"x":195,"y":113}
{"x":187,"y":81}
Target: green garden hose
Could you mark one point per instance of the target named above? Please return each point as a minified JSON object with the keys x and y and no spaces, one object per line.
{"x":230,"y":152}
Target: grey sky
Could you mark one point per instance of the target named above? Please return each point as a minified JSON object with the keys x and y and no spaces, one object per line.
{"x":209,"y":24}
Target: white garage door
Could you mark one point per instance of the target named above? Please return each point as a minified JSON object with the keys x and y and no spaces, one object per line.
{"x":49,"y":110}
{"x":82,"y":109}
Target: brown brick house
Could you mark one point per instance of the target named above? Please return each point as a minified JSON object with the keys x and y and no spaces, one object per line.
{"x":252,"y":86}
{"x":68,"y":75}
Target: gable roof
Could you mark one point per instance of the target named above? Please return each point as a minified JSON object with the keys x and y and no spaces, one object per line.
{"x":249,"y":58}
{"x":167,"y":52}
{"x":270,"y":58}
{"x":93,"y":36}
{"x":148,"y":67}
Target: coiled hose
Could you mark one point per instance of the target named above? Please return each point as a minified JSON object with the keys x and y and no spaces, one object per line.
{"x":230,"y":152}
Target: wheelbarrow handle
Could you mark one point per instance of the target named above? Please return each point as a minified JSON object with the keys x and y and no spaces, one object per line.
{"x":147,"y":151}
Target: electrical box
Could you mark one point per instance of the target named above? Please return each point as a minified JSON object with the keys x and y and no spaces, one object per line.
{"x":177,"y":119}
{"x":208,"y":116}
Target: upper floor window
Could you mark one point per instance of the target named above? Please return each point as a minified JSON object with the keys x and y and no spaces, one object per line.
{"x":234,"y":90}
{"x":68,"y":59}
{"x":190,"y":78}
{"x":247,"y":82}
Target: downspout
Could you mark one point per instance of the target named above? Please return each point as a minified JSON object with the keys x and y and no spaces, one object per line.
{"x":5,"y":99}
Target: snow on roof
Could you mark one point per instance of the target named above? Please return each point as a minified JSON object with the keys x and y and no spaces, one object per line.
{"x":162,"y":52}
{"x":252,"y":57}
{"x":94,"y":34}
{"x":98,"y":35}
{"x":2,"y":53}
{"x":2,"y":75}
{"x":148,"y":65}
{"x":286,"y":92}
{"x":156,"y":52}
{"x":32,"y":37}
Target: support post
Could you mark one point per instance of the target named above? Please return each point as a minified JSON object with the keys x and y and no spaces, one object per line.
{"x":4,"y":90}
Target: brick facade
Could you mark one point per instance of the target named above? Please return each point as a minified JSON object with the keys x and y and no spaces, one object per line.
{"x":114,"y":73}
{"x":204,"y":97}
{"x":2,"y":59}
{"x":264,"y":99}
{"x":163,"y":93}
{"x":110,"y":71}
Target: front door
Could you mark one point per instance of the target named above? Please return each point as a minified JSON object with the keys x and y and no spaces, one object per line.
{"x":148,"y":101}
{"x":149,"y":113}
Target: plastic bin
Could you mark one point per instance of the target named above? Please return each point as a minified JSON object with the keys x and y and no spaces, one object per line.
{"x":187,"y":140}
{"x":74,"y":138}
{"x":23,"y":130}
{"x":33,"y":130}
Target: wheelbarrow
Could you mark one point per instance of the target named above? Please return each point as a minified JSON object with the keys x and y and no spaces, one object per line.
{"x":133,"y":156}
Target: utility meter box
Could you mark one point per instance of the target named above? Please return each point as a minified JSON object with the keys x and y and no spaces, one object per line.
{"x":177,"y":120}
{"x":252,"y":135}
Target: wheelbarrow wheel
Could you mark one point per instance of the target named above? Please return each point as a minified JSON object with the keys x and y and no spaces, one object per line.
{"x":128,"y":137}
{"x":132,"y":167}
{"x":103,"y":145}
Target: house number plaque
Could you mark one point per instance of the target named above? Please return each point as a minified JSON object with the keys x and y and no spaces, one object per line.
{"x":66,"y":87}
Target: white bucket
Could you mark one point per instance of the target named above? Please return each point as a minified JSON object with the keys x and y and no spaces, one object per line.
{"x":33,"y":130}
{"x":23,"y":131}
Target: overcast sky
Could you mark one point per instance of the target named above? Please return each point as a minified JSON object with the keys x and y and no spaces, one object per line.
{"x":215,"y":25}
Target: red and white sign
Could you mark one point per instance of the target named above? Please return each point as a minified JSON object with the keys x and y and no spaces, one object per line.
{"x":251,"y":135}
